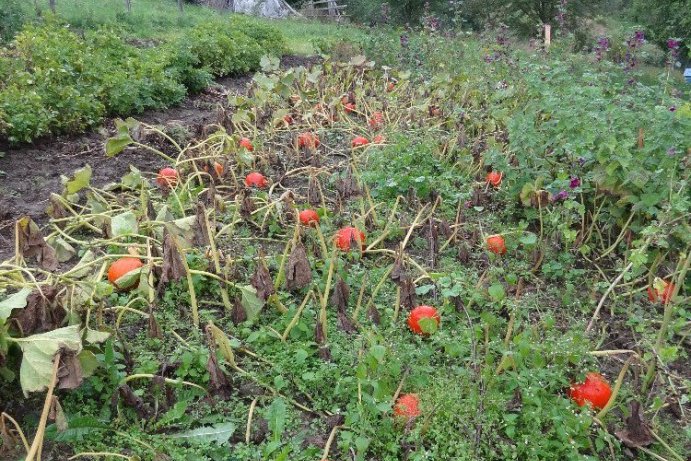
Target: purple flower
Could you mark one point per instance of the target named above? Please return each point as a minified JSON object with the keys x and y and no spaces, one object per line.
{"x":560,"y":196}
{"x":404,"y":40}
{"x":603,"y":42}
{"x":581,"y":161}
{"x":639,"y":36}
{"x":673,"y":44}
{"x":574,"y":182}
{"x":671,"y":151}
{"x":673,"y":108}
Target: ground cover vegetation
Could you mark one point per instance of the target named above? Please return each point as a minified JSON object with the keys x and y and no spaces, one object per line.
{"x":468,"y":248}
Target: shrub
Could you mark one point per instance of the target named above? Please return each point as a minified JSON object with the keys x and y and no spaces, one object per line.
{"x":54,"y":81}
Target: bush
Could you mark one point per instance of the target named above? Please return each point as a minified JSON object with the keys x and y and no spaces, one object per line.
{"x":54,"y":81}
{"x":665,"y":20}
{"x":11,"y":18}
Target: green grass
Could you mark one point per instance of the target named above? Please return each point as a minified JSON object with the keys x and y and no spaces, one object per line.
{"x":161,"y":20}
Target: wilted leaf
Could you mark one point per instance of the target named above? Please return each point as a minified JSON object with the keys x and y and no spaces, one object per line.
{"x":218,"y":433}
{"x":251,"y":302}
{"x":39,"y":350}
{"x":339,"y":299}
{"x":313,"y":191}
{"x":408,"y":295}
{"x":63,"y":250}
{"x":238,"y":314}
{"x":201,"y":233}
{"x":398,"y":273}
{"x":219,"y":384}
{"x":32,"y":244}
{"x":464,"y":254}
{"x":347,"y":186}
{"x":173,"y":267}
{"x":132,"y":400}
{"x":123,"y":224}
{"x":637,"y":433}
{"x":92,"y":336}
{"x":374,"y":314}
{"x":80,"y":180}
{"x":43,"y":312}
{"x":261,"y":281}
{"x":56,"y":209}
{"x":70,"y":371}
{"x":117,"y":143}
{"x":246,"y":205}
{"x":298,"y":272}
{"x":154,"y":329}
{"x":84,"y":268}
{"x":15,"y":301}
{"x":320,"y":339}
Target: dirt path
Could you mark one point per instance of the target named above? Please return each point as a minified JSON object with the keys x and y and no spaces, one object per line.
{"x":29,"y":174}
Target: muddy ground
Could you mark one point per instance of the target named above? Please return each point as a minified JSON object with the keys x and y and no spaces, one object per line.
{"x":30,"y":173}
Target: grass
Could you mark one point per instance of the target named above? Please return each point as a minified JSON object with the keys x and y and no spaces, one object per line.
{"x":161,"y":20}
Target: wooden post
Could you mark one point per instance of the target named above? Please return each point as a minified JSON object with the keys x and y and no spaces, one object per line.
{"x":180,"y":6}
{"x":548,"y":35}
{"x":51,"y":4}
{"x":128,"y":5}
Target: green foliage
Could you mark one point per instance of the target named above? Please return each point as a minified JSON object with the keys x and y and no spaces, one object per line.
{"x":58,"y":82}
{"x":664,"y":20}
{"x":11,"y":19}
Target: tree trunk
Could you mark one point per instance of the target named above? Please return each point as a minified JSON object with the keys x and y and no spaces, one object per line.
{"x":128,"y":5}
{"x":180,"y":6}
{"x":51,"y":4}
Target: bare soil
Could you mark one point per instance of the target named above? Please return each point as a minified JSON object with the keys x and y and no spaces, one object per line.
{"x":30,"y":173}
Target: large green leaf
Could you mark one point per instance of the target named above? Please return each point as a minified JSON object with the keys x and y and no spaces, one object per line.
{"x":80,"y":180}
{"x":15,"y":301}
{"x":122,"y":139}
{"x":124,"y":224}
{"x":39,"y":350}
{"x":251,"y":302}
{"x":219,"y":433}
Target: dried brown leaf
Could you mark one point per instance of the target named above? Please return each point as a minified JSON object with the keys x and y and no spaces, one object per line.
{"x":464,"y":254}
{"x":398,"y":273}
{"x":43,"y":312}
{"x":262,"y":282}
{"x":373,"y":314}
{"x":298,"y":271}
{"x":313,"y":194}
{"x":247,"y":205}
{"x":201,"y":233}
{"x":408,"y":296}
{"x":340,"y":294}
{"x":70,"y":374}
{"x":219,"y":384}
{"x":173,"y":267}
{"x":320,"y":339}
{"x":238,"y":314}
{"x":130,"y":399}
{"x":347,"y":186}
{"x":637,"y":433}
{"x":32,"y":244}
{"x":154,"y":329}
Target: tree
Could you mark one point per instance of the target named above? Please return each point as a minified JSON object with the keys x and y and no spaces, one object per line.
{"x":664,"y":20}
